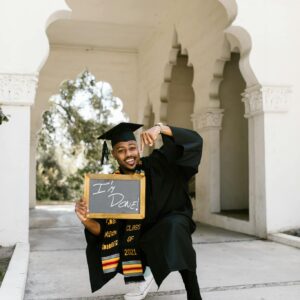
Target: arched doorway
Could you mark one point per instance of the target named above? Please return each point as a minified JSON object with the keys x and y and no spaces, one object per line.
{"x":178,"y":106}
{"x":68,"y":145}
{"x":231,"y":186}
{"x":234,"y":169}
{"x":181,"y":94}
{"x":71,"y":51}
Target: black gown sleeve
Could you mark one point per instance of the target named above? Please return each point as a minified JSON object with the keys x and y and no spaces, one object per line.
{"x":183,"y":149}
{"x":93,"y":257}
{"x":94,"y":239}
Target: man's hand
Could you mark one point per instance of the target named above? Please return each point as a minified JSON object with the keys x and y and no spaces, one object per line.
{"x":149,"y":136}
{"x":81,"y":210}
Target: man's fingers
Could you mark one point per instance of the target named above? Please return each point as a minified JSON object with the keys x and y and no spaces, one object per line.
{"x":82,"y":201}
{"x":81,"y":208}
{"x":142,"y":142}
{"x":152,"y":138}
{"x":146,"y":138}
{"x":82,"y":211}
{"x":82,"y":214}
{"x":149,"y":138}
{"x":81,"y":217}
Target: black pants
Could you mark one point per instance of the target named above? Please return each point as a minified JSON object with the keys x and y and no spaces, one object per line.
{"x":191,"y":284}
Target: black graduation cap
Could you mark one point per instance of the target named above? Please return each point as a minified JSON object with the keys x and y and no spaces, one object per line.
{"x":122,"y":132}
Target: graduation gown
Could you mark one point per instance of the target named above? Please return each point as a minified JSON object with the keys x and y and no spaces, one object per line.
{"x":165,"y":241}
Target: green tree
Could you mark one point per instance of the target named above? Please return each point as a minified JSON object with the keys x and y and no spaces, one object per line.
{"x":51,"y":183}
{"x":68,"y":146}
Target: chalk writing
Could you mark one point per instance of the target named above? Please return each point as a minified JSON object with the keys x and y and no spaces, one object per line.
{"x":116,"y":199}
{"x":115,"y":196}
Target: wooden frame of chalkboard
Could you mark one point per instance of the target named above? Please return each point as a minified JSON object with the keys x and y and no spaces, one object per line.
{"x":107,"y":185}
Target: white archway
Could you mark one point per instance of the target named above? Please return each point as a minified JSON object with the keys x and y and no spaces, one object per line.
{"x":177,"y":103}
{"x":236,"y":40}
{"x":19,"y":77}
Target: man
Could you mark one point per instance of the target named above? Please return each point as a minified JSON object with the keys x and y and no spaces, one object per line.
{"x":163,"y":239}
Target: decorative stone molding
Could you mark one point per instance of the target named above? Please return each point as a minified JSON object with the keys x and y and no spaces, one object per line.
{"x":18,"y":89}
{"x":266,"y":99}
{"x":210,"y":118}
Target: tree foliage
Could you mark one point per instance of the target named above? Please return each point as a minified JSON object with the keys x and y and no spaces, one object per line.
{"x":68,"y":146}
{"x":3,"y":117}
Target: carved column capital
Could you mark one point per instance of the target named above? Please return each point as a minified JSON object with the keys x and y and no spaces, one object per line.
{"x":18,"y":89}
{"x":210,"y":118}
{"x":266,"y":99}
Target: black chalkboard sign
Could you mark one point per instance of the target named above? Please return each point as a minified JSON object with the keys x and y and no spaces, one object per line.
{"x":115,"y":196}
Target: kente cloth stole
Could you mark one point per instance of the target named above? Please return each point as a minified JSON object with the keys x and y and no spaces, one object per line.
{"x":120,"y":250}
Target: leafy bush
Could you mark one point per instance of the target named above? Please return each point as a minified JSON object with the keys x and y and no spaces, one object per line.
{"x":3,"y":117}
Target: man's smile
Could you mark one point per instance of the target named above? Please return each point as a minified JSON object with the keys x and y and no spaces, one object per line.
{"x":131,"y":161}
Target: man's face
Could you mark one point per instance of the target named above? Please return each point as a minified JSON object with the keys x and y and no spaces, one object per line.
{"x":127,"y":155}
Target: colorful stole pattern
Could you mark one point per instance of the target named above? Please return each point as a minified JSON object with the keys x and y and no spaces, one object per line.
{"x":132,"y":268}
{"x":110,"y":263}
{"x":120,"y":250}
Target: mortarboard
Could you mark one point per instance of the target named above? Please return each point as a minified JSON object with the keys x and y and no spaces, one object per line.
{"x":122,"y":132}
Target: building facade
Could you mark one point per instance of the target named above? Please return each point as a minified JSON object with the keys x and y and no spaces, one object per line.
{"x":228,"y":69}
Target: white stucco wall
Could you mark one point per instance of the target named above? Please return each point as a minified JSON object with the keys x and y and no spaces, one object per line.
{"x":24,"y":48}
{"x":138,"y":79}
{"x":14,"y":174}
{"x":275,"y":60}
{"x":24,"y":44}
{"x":272,"y":27}
{"x":198,"y":27}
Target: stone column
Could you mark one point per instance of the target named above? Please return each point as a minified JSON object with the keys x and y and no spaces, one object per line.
{"x":208,"y":123}
{"x":17,"y":93}
{"x":32,"y":177}
{"x":261,"y":103}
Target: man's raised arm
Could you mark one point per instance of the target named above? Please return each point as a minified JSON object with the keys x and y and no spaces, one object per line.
{"x":180,"y":146}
